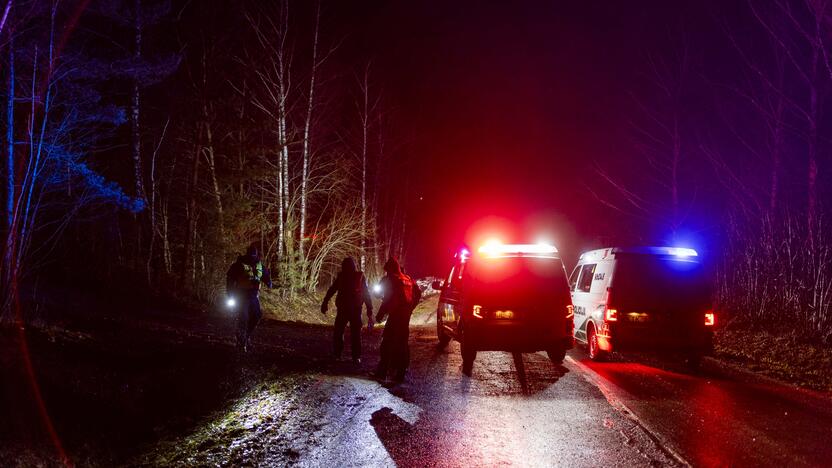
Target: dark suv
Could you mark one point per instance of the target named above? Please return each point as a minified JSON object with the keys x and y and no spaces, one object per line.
{"x":506,"y":298}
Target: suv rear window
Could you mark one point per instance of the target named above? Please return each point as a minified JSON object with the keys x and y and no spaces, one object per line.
{"x":516,"y":281}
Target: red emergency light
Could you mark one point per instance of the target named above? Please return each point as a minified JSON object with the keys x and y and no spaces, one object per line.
{"x":495,"y":249}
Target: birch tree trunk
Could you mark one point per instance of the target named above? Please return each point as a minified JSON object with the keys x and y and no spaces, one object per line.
{"x":307,"y":142}
{"x":190,"y":215}
{"x":135,"y":103}
{"x":364,"y":135}
{"x":166,"y":255}
{"x":10,"y":179}
{"x":154,"y":191}
{"x":283,"y":91}
{"x":777,"y":148}
{"x":209,"y":154}
{"x":675,"y":161}
{"x":812,"y":150}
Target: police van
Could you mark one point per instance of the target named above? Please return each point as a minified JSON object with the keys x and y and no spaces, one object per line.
{"x":642,"y":298}
{"x":506,"y":297}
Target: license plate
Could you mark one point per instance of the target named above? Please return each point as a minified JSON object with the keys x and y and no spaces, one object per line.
{"x":638,"y":317}
{"x":504,"y":314}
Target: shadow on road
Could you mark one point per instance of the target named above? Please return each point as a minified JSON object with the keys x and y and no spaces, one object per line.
{"x":396,"y":435}
{"x":541,"y":378}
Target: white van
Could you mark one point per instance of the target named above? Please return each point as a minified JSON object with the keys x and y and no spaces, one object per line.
{"x":640,"y":298}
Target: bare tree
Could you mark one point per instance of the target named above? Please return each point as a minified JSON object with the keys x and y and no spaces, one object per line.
{"x":57,"y":143}
{"x":307,"y":137}
{"x":272,"y":97}
{"x":10,"y":176}
{"x":796,"y":29}
{"x":367,"y":107}
{"x":655,"y":193}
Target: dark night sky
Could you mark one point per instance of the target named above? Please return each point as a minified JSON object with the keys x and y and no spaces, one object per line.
{"x":510,"y":104}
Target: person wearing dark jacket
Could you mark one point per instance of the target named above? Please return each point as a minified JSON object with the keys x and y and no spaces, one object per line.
{"x":351,"y":289}
{"x":242,"y":284}
{"x":400,"y":296}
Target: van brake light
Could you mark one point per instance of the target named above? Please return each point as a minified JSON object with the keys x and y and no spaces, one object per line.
{"x":610,"y":315}
{"x":710,"y":318}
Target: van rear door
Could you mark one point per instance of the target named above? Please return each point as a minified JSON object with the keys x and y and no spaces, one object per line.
{"x":653,"y":290}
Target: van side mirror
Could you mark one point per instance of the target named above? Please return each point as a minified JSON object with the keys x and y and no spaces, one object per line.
{"x":437,"y":285}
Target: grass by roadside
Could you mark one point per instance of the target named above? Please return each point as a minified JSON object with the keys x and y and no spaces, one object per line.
{"x":782,"y":356}
{"x":306,"y":308}
{"x":237,"y":433}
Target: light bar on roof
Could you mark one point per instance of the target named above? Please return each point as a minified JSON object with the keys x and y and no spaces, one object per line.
{"x":678,"y":252}
{"x":682,"y":252}
{"x":495,"y":249}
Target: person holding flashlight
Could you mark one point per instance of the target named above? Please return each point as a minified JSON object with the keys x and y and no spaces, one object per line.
{"x":351,"y":287}
{"x":242,"y":283}
{"x":400,"y":295}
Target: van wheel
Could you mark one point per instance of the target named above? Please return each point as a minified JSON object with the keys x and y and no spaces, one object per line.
{"x":556,"y":355}
{"x":469,"y":353}
{"x":595,"y":352}
{"x":444,"y":339}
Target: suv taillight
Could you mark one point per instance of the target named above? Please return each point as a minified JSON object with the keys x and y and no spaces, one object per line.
{"x":570,"y":311}
{"x":710,"y":318}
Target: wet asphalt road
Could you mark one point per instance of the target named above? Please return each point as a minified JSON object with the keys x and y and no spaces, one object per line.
{"x":298,"y":407}
{"x":522,"y":410}
{"x":542,"y":416}
{"x":709,"y":419}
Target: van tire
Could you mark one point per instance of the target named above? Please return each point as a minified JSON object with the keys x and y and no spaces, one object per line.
{"x":556,"y":355}
{"x":469,"y":353}
{"x":441,"y":334}
{"x":595,"y":352}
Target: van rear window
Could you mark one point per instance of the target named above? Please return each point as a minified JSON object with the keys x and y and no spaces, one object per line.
{"x":649,"y":281}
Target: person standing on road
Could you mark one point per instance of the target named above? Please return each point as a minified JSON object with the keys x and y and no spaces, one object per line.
{"x":400,"y":295}
{"x":242,"y":283}
{"x":351,"y":287}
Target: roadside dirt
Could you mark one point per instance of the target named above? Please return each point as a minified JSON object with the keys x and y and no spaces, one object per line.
{"x":115,"y":386}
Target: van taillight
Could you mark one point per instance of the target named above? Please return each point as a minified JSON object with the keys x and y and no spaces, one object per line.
{"x":710,"y":318}
{"x":611,"y":315}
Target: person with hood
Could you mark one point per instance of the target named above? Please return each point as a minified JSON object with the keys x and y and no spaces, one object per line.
{"x":351,"y":287}
{"x":242,"y":283}
{"x":400,"y":295}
